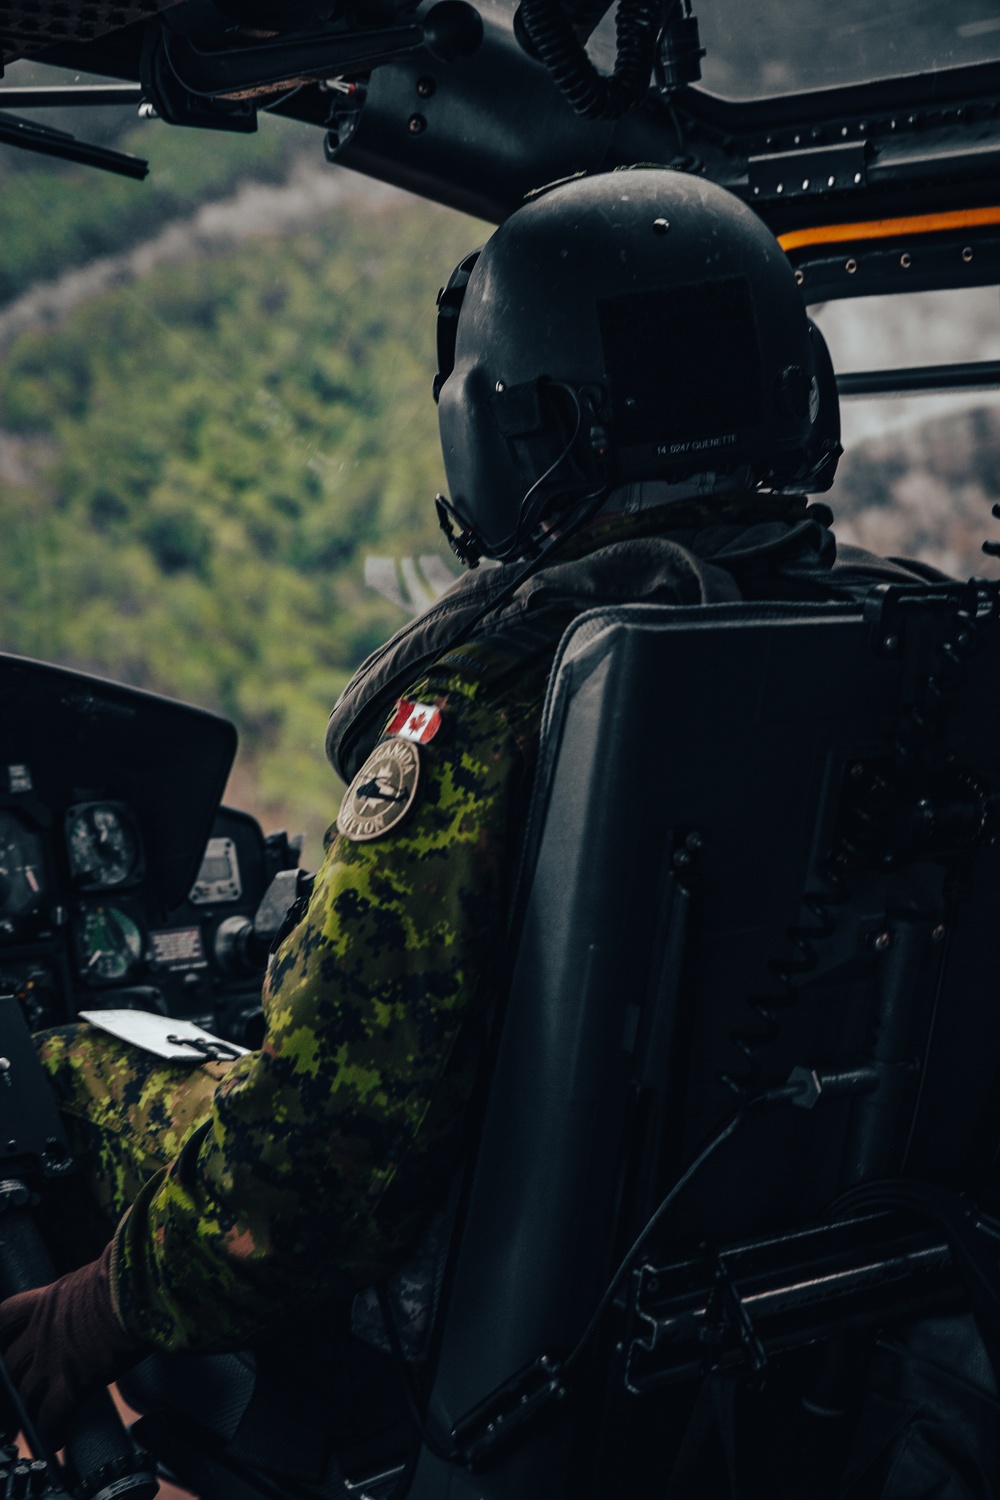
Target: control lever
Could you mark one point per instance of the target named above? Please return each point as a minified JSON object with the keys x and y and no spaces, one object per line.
{"x":242,"y":946}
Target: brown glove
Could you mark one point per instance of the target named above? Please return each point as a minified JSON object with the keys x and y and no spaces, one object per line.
{"x":63,"y":1342}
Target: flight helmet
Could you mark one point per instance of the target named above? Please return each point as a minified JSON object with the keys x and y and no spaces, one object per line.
{"x":639,"y":324}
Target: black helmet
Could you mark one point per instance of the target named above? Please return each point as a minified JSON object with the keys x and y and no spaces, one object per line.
{"x":640,"y":324}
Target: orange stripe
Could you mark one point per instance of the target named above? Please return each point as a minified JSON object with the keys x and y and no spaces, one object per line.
{"x":881,"y":229}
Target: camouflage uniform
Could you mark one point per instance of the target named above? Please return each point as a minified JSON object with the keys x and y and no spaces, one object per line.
{"x":302,"y":1172}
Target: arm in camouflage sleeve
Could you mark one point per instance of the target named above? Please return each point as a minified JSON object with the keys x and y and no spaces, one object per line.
{"x":313,"y":1172}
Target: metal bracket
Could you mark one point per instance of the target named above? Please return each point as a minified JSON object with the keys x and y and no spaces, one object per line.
{"x":886,"y":606}
{"x":689,"y":1318}
{"x":718,"y":1326}
{"x":504,"y":1414}
{"x":731,"y":1316}
{"x":805,"y":174}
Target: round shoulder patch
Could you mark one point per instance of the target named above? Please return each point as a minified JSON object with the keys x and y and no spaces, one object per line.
{"x":382,"y":792}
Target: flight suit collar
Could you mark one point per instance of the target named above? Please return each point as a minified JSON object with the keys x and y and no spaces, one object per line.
{"x":720,"y":549}
{"x":654,"y":556}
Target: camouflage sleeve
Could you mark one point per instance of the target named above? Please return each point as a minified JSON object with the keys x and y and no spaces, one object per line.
{"x":323,"y":1152}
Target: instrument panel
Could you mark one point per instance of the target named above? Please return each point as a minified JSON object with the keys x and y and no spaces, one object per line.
{"x":103,"y":851}
{"x":117,"y":864}
{"x":77,"y":929}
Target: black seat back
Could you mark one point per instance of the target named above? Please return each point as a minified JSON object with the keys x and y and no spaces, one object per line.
{"x":685,"y":942}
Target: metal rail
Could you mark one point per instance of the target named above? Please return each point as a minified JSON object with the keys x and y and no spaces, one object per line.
{"x":59,"y":143}
{"x":737,"y":1307}
{"x":979,"y":375}
{"x":71,"y":96}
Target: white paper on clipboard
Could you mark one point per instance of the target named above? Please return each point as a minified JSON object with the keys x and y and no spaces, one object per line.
{"x":164,"y":1036}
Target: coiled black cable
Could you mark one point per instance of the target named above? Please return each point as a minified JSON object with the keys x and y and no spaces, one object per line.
{"x":592,"y":94}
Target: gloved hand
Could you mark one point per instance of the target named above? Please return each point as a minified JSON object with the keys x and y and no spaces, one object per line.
{"x":63,"y":1342}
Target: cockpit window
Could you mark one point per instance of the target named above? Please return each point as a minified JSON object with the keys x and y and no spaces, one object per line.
{"x":760,"y":47}
{"x":218,"y":446}
{"x":770,"y":47}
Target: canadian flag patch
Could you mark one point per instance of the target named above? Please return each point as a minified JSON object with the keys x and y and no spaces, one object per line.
{"x":414,"y":721}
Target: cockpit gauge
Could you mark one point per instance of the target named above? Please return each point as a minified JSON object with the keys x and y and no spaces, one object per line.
{"x":104,"y":847}
{"x":219,"y":877}
{"x":22,"y":878}
{"x":109,"y":944}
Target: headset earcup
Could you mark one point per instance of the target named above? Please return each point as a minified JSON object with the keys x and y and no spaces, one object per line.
{"x":450,"y":299}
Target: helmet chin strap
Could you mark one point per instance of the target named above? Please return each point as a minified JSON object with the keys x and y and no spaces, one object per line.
{"x":623,"y":500}
{"x":575,"y":520}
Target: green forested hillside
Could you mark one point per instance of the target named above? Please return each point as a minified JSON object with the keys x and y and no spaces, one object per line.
{"x":193,"y":468}
{"x":56,"y":215}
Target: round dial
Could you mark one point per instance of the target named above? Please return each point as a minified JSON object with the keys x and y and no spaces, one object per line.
{"x":21,"y":877}
{"x":103,"y":845}
{"x":110,"y":943}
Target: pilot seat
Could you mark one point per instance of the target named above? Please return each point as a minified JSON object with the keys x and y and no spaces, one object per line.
{"x":743,"y":1100}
